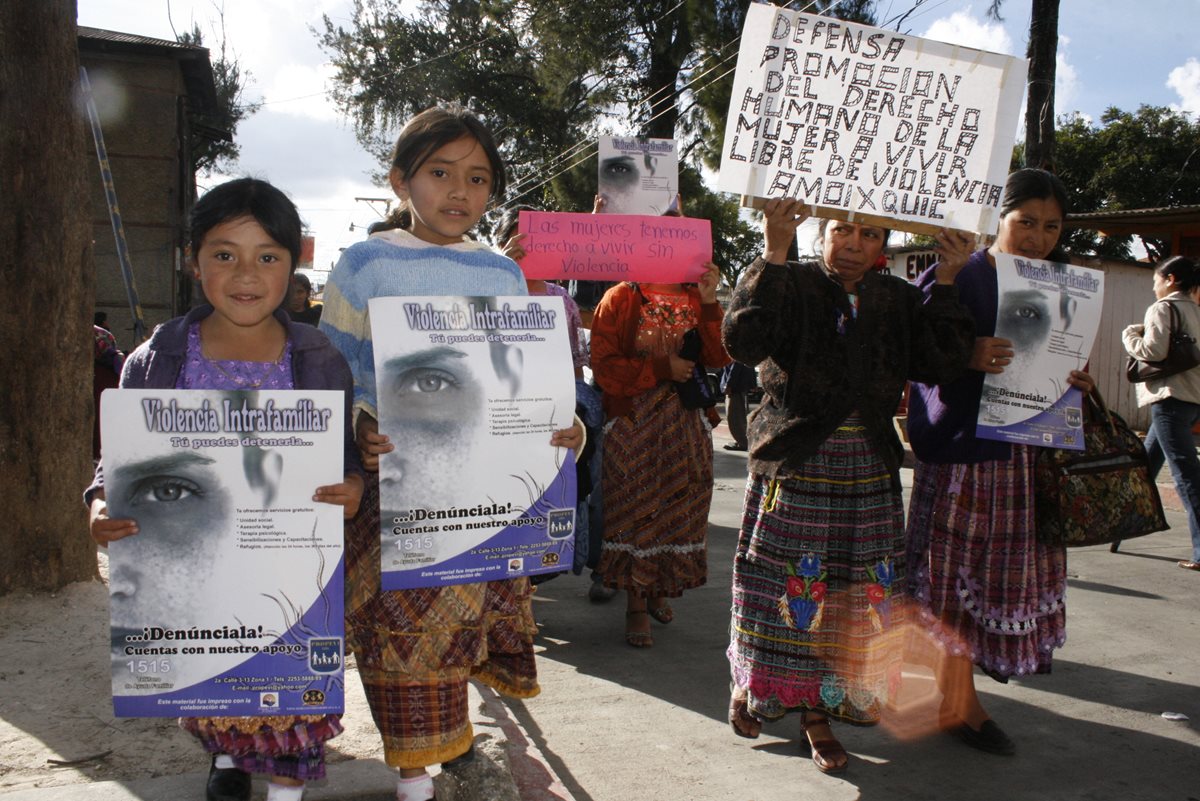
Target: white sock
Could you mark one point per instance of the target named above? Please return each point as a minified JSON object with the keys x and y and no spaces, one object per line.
{"x":418,"y":788}
{"x":284,"y":792}
{"x":224,"y":762}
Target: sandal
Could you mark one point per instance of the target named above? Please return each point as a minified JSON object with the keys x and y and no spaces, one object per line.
{"x":635,"y":637}
{"x":741,"y":721}
{"x":663,"y":613}
{"x":827,"y":753}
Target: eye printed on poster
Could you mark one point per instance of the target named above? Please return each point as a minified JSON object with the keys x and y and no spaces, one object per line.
{"x":1051,"y":313}
{"x":230,"y":594}
{"x":590,"y":247}
{"x":870,"y":125}
{"x":470,"y":390}
{"x":637,"y":175}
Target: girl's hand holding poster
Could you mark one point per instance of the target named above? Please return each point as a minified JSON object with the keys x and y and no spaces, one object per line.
{"x":469,"y":391}
{"x":228,"y":600}
{"x":1050,"y":312}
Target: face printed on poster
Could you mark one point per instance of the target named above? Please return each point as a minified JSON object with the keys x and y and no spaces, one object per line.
{"x":469,"y":392}
{"x":638,"y":176}
{"x":231,"y":554}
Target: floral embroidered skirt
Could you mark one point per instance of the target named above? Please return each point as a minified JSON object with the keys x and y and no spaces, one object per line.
{"x":288,"y":745}
{"x":416,"y":649}
{"x":985,"y":585}
{"x":818,"y":608}
{"x":658,"y":484}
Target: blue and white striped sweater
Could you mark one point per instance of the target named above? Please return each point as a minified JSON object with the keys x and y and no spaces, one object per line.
{"x":397,"y":264}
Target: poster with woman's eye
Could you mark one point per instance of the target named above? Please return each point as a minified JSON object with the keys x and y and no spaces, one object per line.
{"x":228,"y":599}
{"x":470,"y":390}
{"x":1050,"y":312}
{"x":637,"y":175}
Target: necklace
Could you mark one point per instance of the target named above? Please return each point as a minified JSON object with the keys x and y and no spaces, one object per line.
{"x":244,"y":382}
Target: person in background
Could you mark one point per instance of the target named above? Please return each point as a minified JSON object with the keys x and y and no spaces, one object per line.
{"x":107,"y":361}
{"x":737,"y":380}
{"x":1174,"y":401}
{"x":587,"y":401}
{"x":300,"y":305}
{"x":657,"y":475}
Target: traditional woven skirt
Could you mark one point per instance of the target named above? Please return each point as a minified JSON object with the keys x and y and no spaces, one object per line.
{"x":988,"y":589}
{"x":658,"y":482}
{"x":285,"y":745}
{"x":416,"y":649}
{"x":819,"y":617}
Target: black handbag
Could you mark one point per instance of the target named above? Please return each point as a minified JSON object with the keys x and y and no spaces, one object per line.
{"x":1101,"y":494}
{"x":1182,"y":354}
{"x":701,"y":390}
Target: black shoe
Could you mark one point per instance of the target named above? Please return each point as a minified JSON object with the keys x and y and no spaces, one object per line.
{"x":990,"y":738}
{"x":733,"y":446}
{"x":227,"y":784}
{"x":599,"y":594}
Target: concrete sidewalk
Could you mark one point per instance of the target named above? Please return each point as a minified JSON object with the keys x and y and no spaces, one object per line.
{"x":615,"y":723}
{"x":508,"y":766}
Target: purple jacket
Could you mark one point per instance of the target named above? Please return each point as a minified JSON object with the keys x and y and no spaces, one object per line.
{"x":316,"y":364}
{"x":941,"y":418}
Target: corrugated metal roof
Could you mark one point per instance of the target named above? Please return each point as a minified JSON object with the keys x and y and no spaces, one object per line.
{"x":1137,"y":221}
{"x":132,"y":38}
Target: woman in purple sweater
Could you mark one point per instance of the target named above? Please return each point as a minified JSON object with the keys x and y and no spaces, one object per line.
{"x":992,"y":594}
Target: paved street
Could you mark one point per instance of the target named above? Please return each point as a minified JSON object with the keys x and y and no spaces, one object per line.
{"x":619,"y":724}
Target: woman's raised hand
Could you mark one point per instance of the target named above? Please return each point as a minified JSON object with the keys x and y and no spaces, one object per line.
{"x":954,"y":248}
{"x":781,"y":218}
{"x":514,"y":247}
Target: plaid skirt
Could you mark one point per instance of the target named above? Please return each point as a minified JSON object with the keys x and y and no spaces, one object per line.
{"x":416,"y":649}
{"x":291,"y":746}
{"x":986,"y":587}
{"x":657,"y":479}
{"x":819,"y":614}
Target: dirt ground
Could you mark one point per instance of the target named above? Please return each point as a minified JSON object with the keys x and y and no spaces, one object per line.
{"x":56,"y":704}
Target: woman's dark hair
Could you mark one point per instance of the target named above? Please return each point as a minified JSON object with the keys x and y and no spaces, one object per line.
{"x":1182,"y":269}
{"x":508,"y":223}
{"x":1033,"y":184}
{"x":248,"y":197}
{"x":431,"y":129}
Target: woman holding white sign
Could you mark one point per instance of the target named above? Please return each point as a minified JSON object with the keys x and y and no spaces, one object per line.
{"x":992,"y":594}
{"x":818,"y":611}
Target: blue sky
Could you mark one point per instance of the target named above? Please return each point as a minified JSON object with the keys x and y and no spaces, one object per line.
{"x":1110,"y":54}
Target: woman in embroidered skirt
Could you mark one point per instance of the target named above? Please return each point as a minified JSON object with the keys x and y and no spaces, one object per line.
{"x":990,"y":592}
{"x":657,"y":463}
{"x":818,"y":570}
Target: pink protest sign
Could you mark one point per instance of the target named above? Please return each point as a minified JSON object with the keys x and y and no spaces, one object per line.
{"x":614,"y":247}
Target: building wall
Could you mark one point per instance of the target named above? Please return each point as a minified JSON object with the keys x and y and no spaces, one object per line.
{"x":139,"y":100}
{"x":1127,"y":293}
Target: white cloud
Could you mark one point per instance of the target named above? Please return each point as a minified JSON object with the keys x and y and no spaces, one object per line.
{"x":963,"y":28}
{"x":301,"y":90}
{"x":1066,"y":79}
{"x":1185,"y":80}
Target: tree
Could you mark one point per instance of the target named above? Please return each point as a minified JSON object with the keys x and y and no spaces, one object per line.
{"x":1145,"y":159}
{"x":1042,"y":52}
{"x":217,"y":149}
{"x":548,"y":77}
{"x":46,"y":411}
